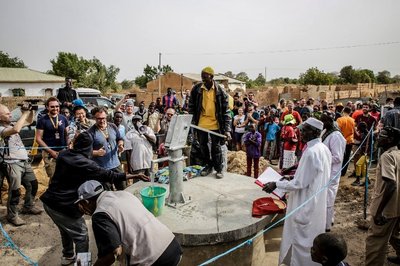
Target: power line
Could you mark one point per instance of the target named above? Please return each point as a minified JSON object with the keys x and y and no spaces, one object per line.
{"x":292,"y":50}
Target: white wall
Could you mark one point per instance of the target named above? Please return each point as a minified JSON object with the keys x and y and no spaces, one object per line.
{"x":234,"y":86}
{"x":31,"y":89}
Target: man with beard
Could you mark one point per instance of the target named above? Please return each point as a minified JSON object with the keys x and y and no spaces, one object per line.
{"x":66,"y":95}
{"x":366,"y":117}
{"x":139,"y":143}
{"x":336,"y":143}
{"x":52,"y":134}
{"x":311,"y":176}
{"x":74,"y":167}
{"x":107,"y":143}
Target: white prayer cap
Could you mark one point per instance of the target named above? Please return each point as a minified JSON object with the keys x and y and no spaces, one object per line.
{"x":314,"y":123}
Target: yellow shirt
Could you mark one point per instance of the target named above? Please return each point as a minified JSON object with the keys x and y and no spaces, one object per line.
{"x":208,"y":120}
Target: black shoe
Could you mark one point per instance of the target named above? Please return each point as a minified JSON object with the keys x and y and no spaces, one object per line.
{"x":206,"y":171}
{"x":394,"y":259}
{"x":356,"y":183}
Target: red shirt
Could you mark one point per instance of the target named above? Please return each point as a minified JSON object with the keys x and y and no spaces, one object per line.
{"x":288,"y":134}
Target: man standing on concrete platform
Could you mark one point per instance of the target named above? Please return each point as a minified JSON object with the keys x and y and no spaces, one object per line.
{"x":308,"y":221}
{"x":385,"y":204}
{"x":208,"y":103}
{"x":336,"y":143}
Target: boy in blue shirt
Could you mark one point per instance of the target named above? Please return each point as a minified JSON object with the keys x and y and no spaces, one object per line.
{"x":271,"y":129}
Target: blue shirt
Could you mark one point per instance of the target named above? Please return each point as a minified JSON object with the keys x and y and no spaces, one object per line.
{"x":53,"y":133}
{"x":110,"y":159}
{"x":272,"y":130}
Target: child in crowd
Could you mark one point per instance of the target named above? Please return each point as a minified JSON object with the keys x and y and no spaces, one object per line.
{"x":329,"y":250}
{"x":360,"y":158}
{"x":272,"y":129}
{"x":252,"y":140}
{"x":288,"y":142}
{"x":239,"y":122}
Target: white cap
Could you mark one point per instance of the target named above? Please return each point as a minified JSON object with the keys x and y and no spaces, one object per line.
{"x":314,"y":123}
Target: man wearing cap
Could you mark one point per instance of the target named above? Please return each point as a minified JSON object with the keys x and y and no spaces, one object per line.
{"x":138,"y":145}
{"x":336,"y":143}
{"x":311,"y":176}
{"x":107,"y":143}
{"x":66,"y":95}
{"x":384,"y":208}
{"x":125,"y":229}
{"x":208,"y":103}
{"x":73,"y":168}
{"x":128,"y":113}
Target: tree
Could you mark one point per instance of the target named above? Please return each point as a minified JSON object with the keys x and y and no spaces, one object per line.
{"x":383,"y":77}
{"x":396,"y":79}
{"x":347,"y":74}
{"x":87,"y":73}
{"x":229,"y":74}
{"x":13,"y":62}
{"x":314,"y":76}
{"x":150,"y":73}
{"x":127,"y":84}
{"x":260,"y":80}
{"x":242,"y":76}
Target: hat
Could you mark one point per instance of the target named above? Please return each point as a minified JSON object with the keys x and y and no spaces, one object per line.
{"x":315,"y":123}
{"x":289,"y":119}
{"x":136,"y":117}
{"x":339,"y":104}
{"x":129,"y":103}
{"x":78,"y":102}
{"x":330,"y":114}
{"x":88,"y":190}
{"x":208,"y":70}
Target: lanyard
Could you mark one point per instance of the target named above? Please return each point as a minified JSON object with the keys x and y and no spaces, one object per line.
{"x":52,"y":122}
{"x":106,"y":135}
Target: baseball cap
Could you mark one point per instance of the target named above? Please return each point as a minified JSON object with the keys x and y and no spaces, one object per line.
{"x":88,"y":190}
{"x":315,"y":123}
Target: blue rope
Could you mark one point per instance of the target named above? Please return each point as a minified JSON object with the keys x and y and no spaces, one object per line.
{"x":12,"y":245}
{"x":33,"y":148}
{"x":249,"y":241}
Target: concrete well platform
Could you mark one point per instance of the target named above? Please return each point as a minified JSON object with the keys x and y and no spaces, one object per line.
{"x":216,"y":217}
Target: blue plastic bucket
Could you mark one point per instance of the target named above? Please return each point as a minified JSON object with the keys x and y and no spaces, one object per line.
{"x":153,"y":199}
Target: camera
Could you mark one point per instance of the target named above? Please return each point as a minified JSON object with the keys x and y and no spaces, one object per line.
{"x":33,"y":104}
{"x":131,"y":95}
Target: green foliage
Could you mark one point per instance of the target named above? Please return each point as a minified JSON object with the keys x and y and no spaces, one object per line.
{"x":383,"y":77}
{"x":242,"y":76}
{"x":150,"y":73}
{"x":7,"y":61}
{"x":282,"y":81}
{"x":396,"y":79}
{"x":260,"y":80}
{"x":127,"y":84}
{"x":87,"y":73}
{"x":229,"y":74}
{"x":314,"y":76}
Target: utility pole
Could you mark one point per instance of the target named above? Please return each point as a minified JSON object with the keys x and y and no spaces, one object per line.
{"x":159,"y":74}
{"x":265,"y":74}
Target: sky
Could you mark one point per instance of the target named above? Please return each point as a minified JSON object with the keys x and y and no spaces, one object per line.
{"x":280,"y":38}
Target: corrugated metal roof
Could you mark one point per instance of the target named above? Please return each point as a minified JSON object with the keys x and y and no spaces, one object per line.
{"x":13,"y":75}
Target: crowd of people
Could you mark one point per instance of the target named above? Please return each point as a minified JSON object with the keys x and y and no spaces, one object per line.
{"x":310,"y":142}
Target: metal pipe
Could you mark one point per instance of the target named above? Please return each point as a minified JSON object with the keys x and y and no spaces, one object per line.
{"x":208,"y":131}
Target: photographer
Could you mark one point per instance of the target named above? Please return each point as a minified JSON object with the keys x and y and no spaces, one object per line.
{"x":15,"y":164}
{"x":140,"y":139}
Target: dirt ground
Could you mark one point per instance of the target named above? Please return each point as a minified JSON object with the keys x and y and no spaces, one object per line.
{"x":40,"y":239}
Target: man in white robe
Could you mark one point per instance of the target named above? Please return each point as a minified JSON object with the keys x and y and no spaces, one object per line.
{"x":336,"y":143}
{"x":311,"y":176}
{"x":138,"y":145}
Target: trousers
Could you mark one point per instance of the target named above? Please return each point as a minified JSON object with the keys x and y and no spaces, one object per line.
{"x":215,"y":160}
{"x":72,"y":230}
{"x":377,"y":241}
